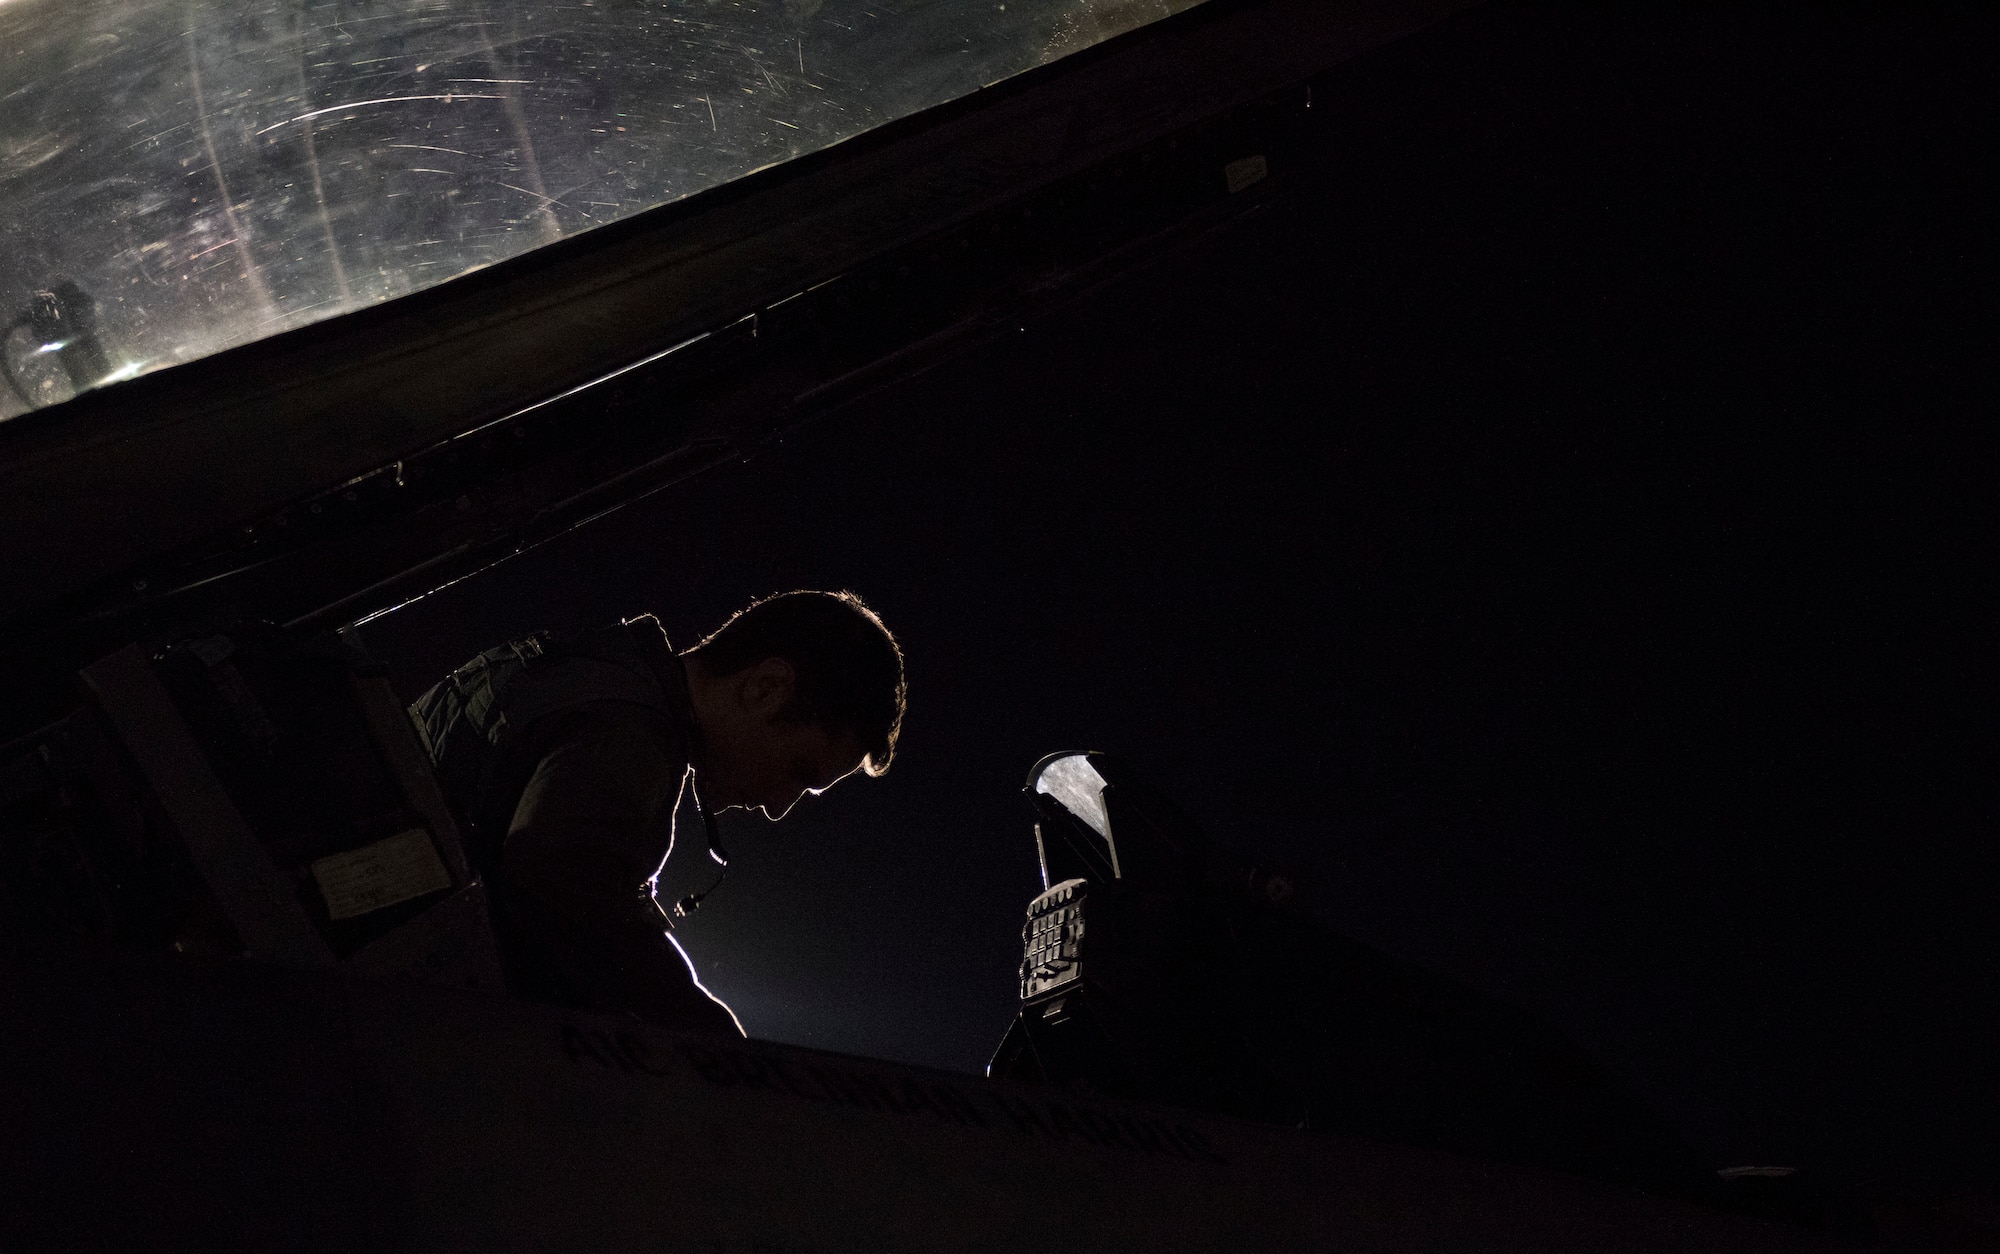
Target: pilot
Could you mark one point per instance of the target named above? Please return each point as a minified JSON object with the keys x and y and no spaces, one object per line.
{"x":566,"y":759}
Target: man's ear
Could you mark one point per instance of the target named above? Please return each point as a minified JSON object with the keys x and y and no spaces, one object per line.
{"x":768,"y":686}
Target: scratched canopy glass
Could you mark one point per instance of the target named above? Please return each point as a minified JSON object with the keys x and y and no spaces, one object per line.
{"x":179,"y":176}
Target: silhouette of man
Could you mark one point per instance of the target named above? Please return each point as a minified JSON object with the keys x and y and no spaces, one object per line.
{"x":566,"y":759}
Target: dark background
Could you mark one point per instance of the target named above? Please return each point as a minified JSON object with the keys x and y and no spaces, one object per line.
{"x":1552,"y":525}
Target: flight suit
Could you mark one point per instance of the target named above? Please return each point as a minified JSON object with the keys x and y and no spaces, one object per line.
{"x":565,"y":760}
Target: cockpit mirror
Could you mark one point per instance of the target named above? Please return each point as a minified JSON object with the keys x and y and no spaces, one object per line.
{"x":1073,"y":781}
{"x":1073,"y":825}
{"x":1096,"y":822}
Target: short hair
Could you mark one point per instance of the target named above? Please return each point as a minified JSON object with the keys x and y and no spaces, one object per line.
{"x":848,"y":668}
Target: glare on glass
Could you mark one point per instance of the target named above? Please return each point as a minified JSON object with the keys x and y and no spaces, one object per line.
{"x":209,"y":173}
{"x":1076,"y":783}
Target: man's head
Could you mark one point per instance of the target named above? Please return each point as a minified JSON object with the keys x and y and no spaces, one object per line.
{"x":791,"y":695}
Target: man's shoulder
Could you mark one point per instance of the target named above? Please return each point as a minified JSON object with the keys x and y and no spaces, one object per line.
{"x":597,"y":722}
{"x":608,"y":746}
{"x":642,"y":634}
{"x":628,"y":662}
{"x":647,"y":629}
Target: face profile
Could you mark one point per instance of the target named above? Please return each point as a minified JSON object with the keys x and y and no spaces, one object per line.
{"x":756,"y":752}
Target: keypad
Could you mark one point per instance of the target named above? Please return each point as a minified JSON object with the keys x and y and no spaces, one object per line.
{"x":1052,"y":939}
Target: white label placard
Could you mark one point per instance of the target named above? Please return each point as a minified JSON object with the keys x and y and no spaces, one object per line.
{"x":1244,"y":173}
{"x":404,"y":866}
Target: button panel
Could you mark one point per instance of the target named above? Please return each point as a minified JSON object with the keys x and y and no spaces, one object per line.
{"x":1052,"y":939}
